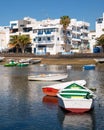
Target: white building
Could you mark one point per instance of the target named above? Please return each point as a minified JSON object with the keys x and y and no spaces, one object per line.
{"x":99,"y":30}
{"x":47,"y":35}
{"x":92,"y":37}
{"x":100,"y":26}
{"x":4,"y":38}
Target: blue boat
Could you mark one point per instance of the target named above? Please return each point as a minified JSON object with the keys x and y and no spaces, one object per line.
{"x":89,"y":67}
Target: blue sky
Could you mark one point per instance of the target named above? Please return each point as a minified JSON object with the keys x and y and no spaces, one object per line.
{"x":87,"y":10}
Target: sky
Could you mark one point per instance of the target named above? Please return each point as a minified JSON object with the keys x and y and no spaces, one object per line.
{"x":82,"y":10}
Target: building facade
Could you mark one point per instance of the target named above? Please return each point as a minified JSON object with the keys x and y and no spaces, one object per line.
{"x":47,"y":35}
{"x":99,"y":30}
{"x":99,"y":26}
{"x":4,"y":38}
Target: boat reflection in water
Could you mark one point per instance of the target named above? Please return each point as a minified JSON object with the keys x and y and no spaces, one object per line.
{"x":50,"y":99}
{"x":50,"y":102}
{"x":74,"y":121}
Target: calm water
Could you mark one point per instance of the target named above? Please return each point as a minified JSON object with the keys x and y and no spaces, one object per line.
{"x":23,"y":106}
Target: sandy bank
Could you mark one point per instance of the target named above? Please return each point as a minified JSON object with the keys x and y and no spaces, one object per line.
{"x":68,"y":61}
{"x":58,"y":61}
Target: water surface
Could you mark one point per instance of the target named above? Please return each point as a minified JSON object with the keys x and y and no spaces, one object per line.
{"x":23,"y":106}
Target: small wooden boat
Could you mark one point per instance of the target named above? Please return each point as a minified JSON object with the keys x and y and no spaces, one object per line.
{"x":75,"y":98}
{"x":30,"y":60}
{"x":48,"y":77}
{"x":26,"y":60}
{"x":35,"y":61}
{"x":22,"y":64}
{"x":99,"y":60}
{"x":89,"y":67}
{"x":10,"y":64}
{"x":52,"y":90}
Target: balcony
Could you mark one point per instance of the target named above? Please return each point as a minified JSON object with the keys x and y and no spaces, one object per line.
{"x":76,"y":39}
{"x":84,"y":31}
{"x":84,"y":38}
{"x":45,"y":42}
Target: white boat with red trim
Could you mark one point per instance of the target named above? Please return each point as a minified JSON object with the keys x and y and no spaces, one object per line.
{"x":76,"y":98}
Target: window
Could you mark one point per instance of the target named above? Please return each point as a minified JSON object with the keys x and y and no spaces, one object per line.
{"x":39,"y":39}
{"x":48,"y":38}
{"x":34,"y":39}
{"x":40,"y":32}
{"x":12,"y":25}
{"x":99,"y":20}
{"x":21,"y":25}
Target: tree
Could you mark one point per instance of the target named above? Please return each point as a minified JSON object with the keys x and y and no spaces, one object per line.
{"x":65,"y":21}
{"x":100,"y":41}
{"x":20,"y":41}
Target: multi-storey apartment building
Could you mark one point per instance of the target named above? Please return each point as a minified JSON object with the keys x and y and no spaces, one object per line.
{"x":47,"y":35}
{"x":99,"y":26}
{"x":99,"y":30}
{"x":4,"y":38}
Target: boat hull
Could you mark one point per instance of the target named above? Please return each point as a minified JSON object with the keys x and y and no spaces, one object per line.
{"x":75,"y":105}
{"x":22,"y":64}
{"x":10,"y":65}
{"x":100,"y":60}
{"x":89,"y":67}
{"x":48,"y":77}
{"x":52,"y":90}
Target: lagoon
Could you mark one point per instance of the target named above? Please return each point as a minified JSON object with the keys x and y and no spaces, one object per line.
{"x":23,"y":106}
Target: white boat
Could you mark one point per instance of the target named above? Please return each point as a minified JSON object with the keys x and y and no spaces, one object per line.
{"x":52,"y":90}
{"x":75,"y":98}
{"x":99,"y":60}
{"x":35,"y":61}
{"x":48,"y":77}
{"x":25,"y":60}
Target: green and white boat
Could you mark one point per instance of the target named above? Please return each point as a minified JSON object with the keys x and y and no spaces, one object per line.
{"x":76,"y":98}
{"x":22,"y":64}
{"x":10,"y":64}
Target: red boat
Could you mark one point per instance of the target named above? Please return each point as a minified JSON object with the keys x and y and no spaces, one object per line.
{"x":52,"y":90}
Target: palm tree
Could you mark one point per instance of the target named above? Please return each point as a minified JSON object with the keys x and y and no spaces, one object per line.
{"x":14,"y":42}
{"x":100,"y":41}
{"x":20,"y":41}
{"x":65,"y":21}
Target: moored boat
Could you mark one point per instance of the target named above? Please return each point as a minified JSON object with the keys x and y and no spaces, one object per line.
{"x":10,"y":63}
{"x":25,"y":60}
{"x":35,"y":61}
{"x":22,"y":64}
{"x":89,"y":67}
{"x":76,"y":98}
{"x":99,"y":60}
{"x":48,"y":77}
{"x":52,"y":90}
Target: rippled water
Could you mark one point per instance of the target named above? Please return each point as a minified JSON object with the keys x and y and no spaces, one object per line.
{"x":23,"y":106}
